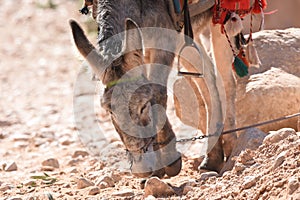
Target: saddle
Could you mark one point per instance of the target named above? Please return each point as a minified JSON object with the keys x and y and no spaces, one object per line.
{"x":222,"y":11}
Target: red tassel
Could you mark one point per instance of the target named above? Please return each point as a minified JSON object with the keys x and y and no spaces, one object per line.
{"x":257,"y":8}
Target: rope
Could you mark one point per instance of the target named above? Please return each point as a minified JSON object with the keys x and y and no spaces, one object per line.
{"x":241,"y":128}
{"x":227,"y":37}
{"x":262,"y":123}
{"x":251,"y":29}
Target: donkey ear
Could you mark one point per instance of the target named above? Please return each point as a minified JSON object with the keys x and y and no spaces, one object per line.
{"x":133,"y":48}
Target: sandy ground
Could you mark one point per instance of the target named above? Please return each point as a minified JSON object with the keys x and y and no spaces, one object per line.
{"x":39,"y":69}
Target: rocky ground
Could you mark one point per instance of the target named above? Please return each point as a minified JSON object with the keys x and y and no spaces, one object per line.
{"x":42,"y":156}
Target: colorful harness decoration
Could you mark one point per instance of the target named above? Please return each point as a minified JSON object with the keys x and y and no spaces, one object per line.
{"x":222,"y":11}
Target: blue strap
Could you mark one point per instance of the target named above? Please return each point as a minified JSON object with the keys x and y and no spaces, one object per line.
{"x":177,"y":6}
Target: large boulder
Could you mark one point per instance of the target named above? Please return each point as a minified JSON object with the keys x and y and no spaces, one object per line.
{"x":273,"y":90}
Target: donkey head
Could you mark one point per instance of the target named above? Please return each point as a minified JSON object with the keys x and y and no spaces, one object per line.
{"x":135,"y":104}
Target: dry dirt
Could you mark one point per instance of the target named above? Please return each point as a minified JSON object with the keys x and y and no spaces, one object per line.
{"x":39,"y":67}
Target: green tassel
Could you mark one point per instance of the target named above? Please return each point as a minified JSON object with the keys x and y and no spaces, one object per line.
{"x":240,"y":68}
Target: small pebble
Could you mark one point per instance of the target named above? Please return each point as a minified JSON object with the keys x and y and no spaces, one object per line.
{"x":11,"y":166}
{"x":74,"y":162}
{"x":239,"y":167}
{"x":157,"y":188}
{"x":94,"y":191}
{"x":4,"y":188}
{"x":29,"y":183}
{"x":103,"y":185}
{"x":22,"y":138}
{"x":80,"y":153}
{"x":83,"y":183}
{"x":14,"y":198}
{"x":47,"y":168}
{"x":65,"y":142}
{"x":150,"y":197}
{"x":250,"y":181}
{"x":107,"y":179}
{"x":206,"y":175}
{"x":293,"y":185}
{"x":123,"y":193}
{"x":279,"y":160}
{"x":187,"y":189}
{"x":52,"y":162}
{"x":73,"y":170}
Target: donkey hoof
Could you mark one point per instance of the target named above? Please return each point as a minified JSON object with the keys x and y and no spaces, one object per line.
{"x":174,"y":168}
{"x":210,"y":165}
{"x":159,"y":173}
{"x":143,"y":175}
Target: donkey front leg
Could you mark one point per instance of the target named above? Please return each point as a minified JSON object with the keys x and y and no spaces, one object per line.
{"x":160,"y":69}
{"x":223,"y":58}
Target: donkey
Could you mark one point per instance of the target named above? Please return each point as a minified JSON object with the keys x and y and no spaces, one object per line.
{"x":151,"y":144}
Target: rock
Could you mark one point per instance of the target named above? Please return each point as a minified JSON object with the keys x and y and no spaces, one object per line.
{"x":187,"y":189}
{"x":5,"y":187}
{"x":238,"y":167}
{"x":105,"y":179}
{"x":249,"y":181}
{"x":80,"y":153}
{"x":21,"y":138}
{"x":275,"y":83}
{"x":268,"y":88}
{"x":277,"y":136}
{"x":251,"y":139}
{"x":102,"y":185}
{"x":157,"y":188}
{"x":83,"y":183}
{"x":192,"y":183}
{"x":123,"y":193}
{"x":72,"y":170}
{"x":52,"y":162}
{"x":94,"y":191}
{"x":269,"y":42}
{"x":279,"y":160}
{"x":10,"y":166}
{"x":246,"y":157}
{"x":29,"y":183}
{"x":206,"y":175}
{"x":74,"y":162}
{"x":116,"y":176}
{"x":150,"y":197}
{"x":47,"y":168}
{"x":65,"y":141}
{"x":293,"y":185}
{"x":14,"y":198}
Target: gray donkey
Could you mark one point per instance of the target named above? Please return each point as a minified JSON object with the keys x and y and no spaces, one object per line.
{"x":131,"y":95}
